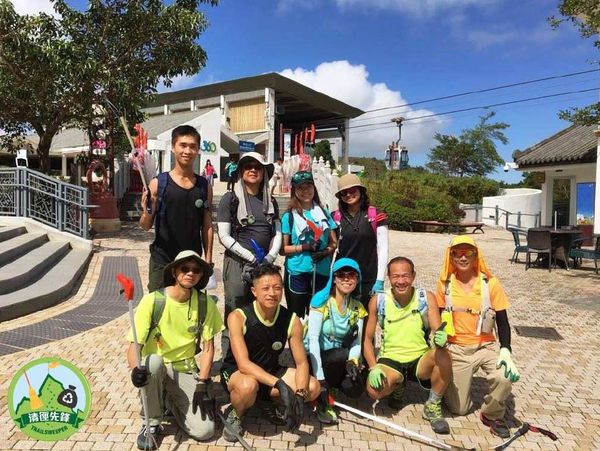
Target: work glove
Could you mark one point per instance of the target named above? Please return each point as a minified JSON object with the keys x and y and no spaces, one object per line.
{"x":290,"y":401}
{"x":352,"y":370}
{"x":510,"y":369}
{"x":139,"y":376}
{"x":204,"y":398}
{"x":247,"y":271}
{"x":377,"y":287}
{"x":376,"y":378}
{"x":440,"y":337}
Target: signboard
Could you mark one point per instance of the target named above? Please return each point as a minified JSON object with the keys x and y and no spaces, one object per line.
{"x":247,"y":146}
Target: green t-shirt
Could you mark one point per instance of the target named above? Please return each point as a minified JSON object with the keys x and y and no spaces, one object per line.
{"x":176,"y":327}
{"x":403,"y":334}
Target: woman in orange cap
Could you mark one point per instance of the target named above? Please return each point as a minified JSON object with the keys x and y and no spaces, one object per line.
{"x":474,"y":303}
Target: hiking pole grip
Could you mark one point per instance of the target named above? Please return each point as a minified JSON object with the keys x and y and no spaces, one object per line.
{"x":543,"y":431}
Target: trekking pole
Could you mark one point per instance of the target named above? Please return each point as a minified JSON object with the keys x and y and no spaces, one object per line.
{"x":127,"y":288}
{"x":405,"y":432}
{"x":524,"y":429}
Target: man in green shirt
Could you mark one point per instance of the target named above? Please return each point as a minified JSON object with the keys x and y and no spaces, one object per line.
{"x":170,"y":323}
{"x":405,"y":314}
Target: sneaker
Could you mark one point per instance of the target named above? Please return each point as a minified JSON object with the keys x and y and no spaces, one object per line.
{"x":149,"y":441}
{"x":432,"y":412}
{"x":497,"y":427}
{"x":272,"y":413}
{"x":326,"y":414}
{"x":234,"y":426}
{"x":396,"y":398}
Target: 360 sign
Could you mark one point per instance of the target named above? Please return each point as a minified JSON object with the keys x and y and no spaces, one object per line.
{"x":209,"y":146}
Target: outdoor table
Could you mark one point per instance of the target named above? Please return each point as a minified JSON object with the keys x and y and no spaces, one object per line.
{"x":561,"y":242}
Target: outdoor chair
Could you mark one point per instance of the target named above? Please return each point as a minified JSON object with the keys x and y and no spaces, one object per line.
{"x":539,"y":242}
{"x":518,"y":234}
{"x":578,"y":253}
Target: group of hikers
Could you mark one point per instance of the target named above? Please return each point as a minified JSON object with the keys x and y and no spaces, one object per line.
{"x":334,"y":285}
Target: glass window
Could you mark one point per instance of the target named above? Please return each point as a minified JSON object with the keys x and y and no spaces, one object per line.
{"x":585,"y":203}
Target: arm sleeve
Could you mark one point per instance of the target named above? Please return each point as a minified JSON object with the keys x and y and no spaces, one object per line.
{"x":275,"y":242}
{"x":354,"y":352}
{"x":315,"y":322}
{"x":382,"y":250}
{"x":503,"y":329}
{"x":231,"y":244}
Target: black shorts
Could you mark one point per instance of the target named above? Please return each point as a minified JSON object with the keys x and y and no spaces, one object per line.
{"x":264,"y":391}
{"x":408,"y":370}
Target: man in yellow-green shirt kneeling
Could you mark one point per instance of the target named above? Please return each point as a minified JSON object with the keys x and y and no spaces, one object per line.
{"x":175,"y":329}
{"x":405,"y":315}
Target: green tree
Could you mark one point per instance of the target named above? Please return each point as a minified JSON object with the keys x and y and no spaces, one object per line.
{"x":374,"y":168}
{"x":323,"y":149}
{"x":585,"y":15}
{"x":51,"y":67}
{"x":472,"y":153}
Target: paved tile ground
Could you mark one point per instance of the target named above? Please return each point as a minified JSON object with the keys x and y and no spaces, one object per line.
{"x":559,"y":388}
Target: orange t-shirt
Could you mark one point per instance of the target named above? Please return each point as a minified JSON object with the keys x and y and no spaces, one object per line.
{"x":465,"y":324}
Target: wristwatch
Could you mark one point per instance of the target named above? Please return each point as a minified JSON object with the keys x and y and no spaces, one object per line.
{"x":302,"y":393}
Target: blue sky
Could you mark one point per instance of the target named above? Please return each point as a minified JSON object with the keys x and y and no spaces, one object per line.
{"x":377,"y":53}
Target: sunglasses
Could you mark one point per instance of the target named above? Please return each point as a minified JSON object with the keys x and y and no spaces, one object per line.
{"x":193,"y":269}
{"x":302,"y":177}
{"x":469,"y":253}
{"x":346,"y":275}
{"x":349,"y":192}
{"x":253,"y":167}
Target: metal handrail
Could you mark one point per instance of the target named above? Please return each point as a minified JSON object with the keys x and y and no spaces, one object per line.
{"x":499,"y":211}
{"x":60,"y":205}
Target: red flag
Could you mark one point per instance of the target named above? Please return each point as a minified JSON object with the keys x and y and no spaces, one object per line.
{"x":313,"y":133}
{"x":316,"y":230}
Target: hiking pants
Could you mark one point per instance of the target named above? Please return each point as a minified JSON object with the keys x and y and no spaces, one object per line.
{"x":237,"y":294}
{"x":466,"y":360}
{"x":179,"y":389}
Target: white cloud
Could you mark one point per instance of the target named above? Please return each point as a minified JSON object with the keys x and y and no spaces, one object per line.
{"x":420,"y":8}
{"x":350,"y":84}
{"x":32,"y":7}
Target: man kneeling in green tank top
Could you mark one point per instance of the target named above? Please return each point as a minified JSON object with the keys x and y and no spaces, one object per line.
{"x":405,"y":315}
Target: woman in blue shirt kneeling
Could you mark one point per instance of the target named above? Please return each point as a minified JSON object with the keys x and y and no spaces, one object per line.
{"x":334,"y":337}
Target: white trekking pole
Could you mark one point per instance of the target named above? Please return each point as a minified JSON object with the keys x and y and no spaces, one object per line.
{"x":127,"y":288}
{"x":405,"y":432}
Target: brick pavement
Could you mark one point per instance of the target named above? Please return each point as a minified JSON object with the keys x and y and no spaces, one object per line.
{"x":559,"y":386}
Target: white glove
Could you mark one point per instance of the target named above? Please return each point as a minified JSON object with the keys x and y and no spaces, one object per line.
{"x":510,"y":369}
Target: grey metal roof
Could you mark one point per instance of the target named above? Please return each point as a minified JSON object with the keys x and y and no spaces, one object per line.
{"x":155,"y":125}
{"x":69,"y":137}
{"x":576,"y":144}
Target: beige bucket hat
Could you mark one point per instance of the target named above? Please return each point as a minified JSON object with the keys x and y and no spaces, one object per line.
{"x":207,"y":269}
{"x":348,"y":181}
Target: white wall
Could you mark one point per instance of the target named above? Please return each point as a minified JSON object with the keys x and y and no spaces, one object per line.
{"x":525,"y":200}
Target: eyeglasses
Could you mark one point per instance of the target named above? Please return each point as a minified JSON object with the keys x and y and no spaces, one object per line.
{"x":302,"y":176}
{"x":346,"y":275}
{"x":349,"y":192}
{"x":458,"y":253}
{"x":193,"y":269}
{"x":253,"y":167}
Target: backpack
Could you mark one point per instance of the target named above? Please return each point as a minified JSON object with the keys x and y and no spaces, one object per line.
{"x":163,"y":181}
{"x":371,"y":215}
{"x":485,"y":302}
{"x":158,"y":308}
{"x":235,"y":224}
{"x":422,"y":308}
{"x":350,"y":335}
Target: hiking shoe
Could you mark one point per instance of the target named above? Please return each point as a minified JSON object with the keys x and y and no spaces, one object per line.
{"x":145,"y":441}
{"x":396,"y":398}
{"x":326,"y":414}
{"x":497,"y":427}
{"x":432,"y":412}
{"x":233,"y":427}
{"x":272,"y":413}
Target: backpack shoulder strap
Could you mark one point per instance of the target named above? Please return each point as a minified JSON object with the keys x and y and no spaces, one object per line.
{"x":380,"y":308}
{"x":372,"y":217}
{"x":233,"y":207}
{"x":485,"y":294}
{"x":163,"y":181}
{"x":447,"y":296}
{"x":423,"y":307}
{"x":158,"y":308}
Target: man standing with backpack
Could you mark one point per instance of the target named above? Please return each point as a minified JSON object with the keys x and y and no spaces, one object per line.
{"x":249,"y":229}
{"x":179,"y":207}
{"x":171,"y":324}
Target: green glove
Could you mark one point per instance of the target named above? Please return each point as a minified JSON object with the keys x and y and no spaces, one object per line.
{"x":376,"y":377}
{"x":440,"y":338}
{"x":510,"y":369}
